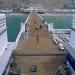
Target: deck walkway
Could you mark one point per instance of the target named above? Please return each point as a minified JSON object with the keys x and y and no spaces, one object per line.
{"x":30,"y":51}
{"x":45,"y":44}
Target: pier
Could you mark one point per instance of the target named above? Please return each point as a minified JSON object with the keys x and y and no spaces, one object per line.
{"x":38,"y":48}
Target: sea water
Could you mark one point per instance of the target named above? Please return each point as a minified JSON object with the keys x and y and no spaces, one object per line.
{"x":13,"y":23}
{"x":59,"y":21}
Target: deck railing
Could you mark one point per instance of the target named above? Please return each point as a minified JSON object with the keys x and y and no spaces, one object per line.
{"x":20,"y":33}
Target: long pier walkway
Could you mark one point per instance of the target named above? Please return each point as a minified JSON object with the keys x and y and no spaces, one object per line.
{"x":36,"y":47}
{"x":31,"y":46}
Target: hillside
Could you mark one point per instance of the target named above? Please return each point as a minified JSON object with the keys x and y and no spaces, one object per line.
{"x":41,"y":3}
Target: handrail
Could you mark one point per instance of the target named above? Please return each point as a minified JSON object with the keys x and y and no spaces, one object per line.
{"x":61,"y":31}
{"x":21,"y":31}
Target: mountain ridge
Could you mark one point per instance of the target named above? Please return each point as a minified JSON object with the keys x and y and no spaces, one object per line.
{"x":39,"y":3}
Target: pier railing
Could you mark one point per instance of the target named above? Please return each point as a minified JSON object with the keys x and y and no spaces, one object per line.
{"x":20,"y":33}
{"x":67,"y":31}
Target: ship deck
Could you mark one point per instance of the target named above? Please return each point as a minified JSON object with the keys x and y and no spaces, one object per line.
{"x":44,"y":52}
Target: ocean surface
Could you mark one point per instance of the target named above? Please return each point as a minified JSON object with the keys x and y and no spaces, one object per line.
{"x":13,"y":23}
{"x":59,"y":21}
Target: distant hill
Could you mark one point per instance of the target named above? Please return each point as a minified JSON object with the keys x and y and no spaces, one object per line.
{"x":40,"y":3}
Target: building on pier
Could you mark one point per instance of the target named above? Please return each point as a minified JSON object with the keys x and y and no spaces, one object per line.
{"x":3,"y":33}
{"x":5,"y":48}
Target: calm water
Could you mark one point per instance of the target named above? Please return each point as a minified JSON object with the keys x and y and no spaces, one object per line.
{"x":59,"y":22}
{"x":13,"y":23}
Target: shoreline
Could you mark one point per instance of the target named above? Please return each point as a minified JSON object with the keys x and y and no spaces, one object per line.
{"x":45,"y":14}
{"x":17,"y":14}
{"x":56,"y":14}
